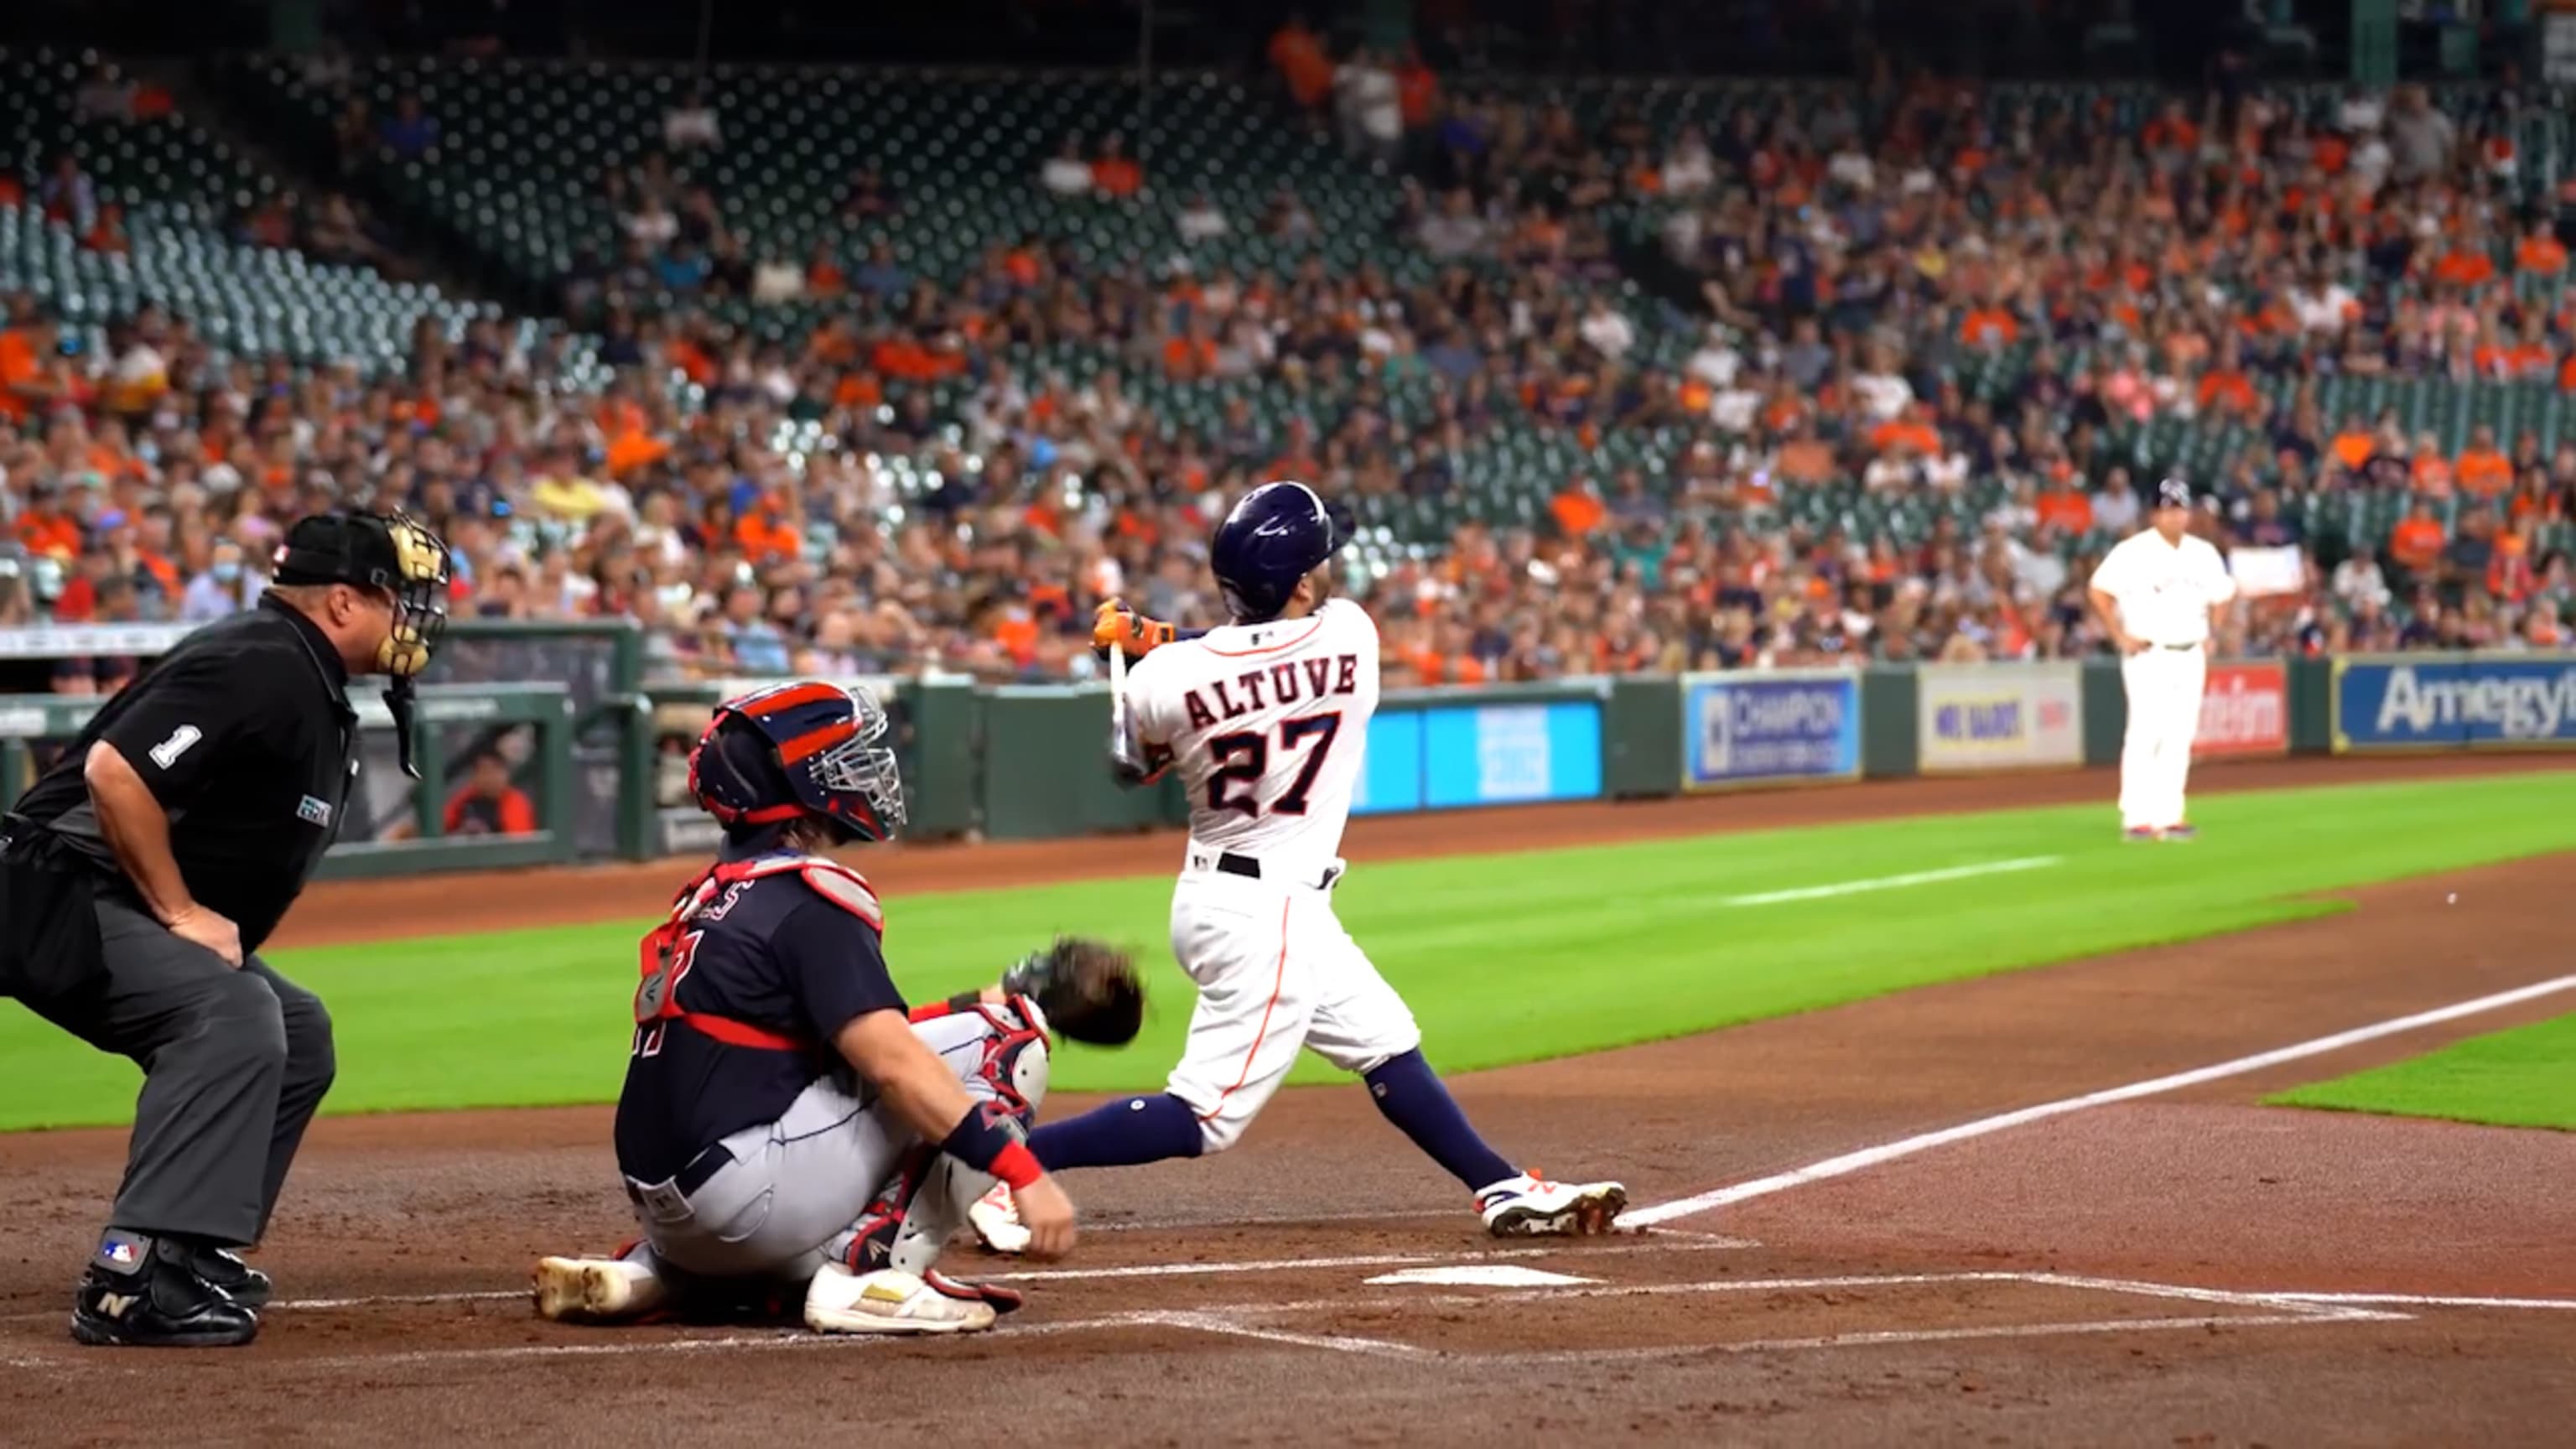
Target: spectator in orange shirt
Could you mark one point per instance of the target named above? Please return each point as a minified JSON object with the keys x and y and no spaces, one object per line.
{"x":26,"y":352}
{"x":2064,"y":507}
{"x":2466,"y":264}
{"x":1578,"y":508}
{"x":487,"y":803}
{"x":2429,"y":471}
{"x":2224,"y":387}
{"x":1297,"y":53}
{"x":1989,"y":326}
{"x":2483,"y":470}
{"x":2415,"y":547}
{"x":1113,"y":174}
{"x":45,"y":527}
{"x":2540,"y":253}
{"x":2353,"y":446}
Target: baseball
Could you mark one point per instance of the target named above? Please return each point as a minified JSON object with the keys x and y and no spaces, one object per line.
{"x":2452,"y":899}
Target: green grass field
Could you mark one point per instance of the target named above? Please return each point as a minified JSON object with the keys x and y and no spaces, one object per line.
{"x":1504,"y":958}
{"x":2525,"y":1077}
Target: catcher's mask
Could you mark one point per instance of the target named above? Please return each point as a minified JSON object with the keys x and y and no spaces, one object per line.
{"x":807,"y":750}
{"x":390,"y":553}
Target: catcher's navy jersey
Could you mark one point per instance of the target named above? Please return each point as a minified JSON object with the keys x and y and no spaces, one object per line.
{"x":761,"y":955}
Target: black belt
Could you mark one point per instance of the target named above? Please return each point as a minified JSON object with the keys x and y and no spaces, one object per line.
{"x":701,"y":1169}
{"x":1230,"y":863}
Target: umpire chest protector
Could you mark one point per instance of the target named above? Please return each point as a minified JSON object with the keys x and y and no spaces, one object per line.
{"x":671,"y":949}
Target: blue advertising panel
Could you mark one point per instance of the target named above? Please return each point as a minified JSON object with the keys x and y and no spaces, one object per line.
{"x":2434,"y":702}
{"x":1511,"y":754}
{"x":1742,"y":729}
{"x":1391,"y":773}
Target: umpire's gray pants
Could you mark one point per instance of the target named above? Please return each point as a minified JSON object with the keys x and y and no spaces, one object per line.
{"x":235,"y":1062}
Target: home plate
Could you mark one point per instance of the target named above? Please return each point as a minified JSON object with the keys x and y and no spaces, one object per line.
{"x":1484,"y":1275}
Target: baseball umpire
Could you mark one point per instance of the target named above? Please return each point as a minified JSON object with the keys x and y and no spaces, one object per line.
{"x":141,"y":874}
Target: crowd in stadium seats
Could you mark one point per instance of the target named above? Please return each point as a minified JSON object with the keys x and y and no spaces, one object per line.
{"x":1632,"y":379}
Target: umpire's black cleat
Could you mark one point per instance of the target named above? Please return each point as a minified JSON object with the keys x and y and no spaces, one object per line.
{"x":148,"y":1294}
{"x":241,"y":1282}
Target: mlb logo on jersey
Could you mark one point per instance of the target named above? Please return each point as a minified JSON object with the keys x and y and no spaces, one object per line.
{"x":314,"y":812}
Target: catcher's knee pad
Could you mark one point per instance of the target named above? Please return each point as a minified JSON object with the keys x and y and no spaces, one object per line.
{"x":1017,"y":1055}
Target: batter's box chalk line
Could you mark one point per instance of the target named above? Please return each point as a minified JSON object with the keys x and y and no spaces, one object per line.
{"x":1252,"y":1321}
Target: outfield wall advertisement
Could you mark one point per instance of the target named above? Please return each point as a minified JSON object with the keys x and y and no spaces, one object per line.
{"x":1443,"y":757}
{"x":1755,"y":728}
{"x":2463,"y":702}
{"x":1999,"y":716}
{"x":2244,"y":712}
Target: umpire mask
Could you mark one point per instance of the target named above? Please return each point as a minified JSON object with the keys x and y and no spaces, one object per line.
{"x":391,"y":552}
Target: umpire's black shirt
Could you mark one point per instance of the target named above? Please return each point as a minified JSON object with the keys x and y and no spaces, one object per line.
{"x":243,"y":732}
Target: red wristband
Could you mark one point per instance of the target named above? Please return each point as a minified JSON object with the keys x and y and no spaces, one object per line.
{"x":1017,"y":1166}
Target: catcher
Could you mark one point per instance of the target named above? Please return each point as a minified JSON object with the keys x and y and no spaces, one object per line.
{"x":785,"y":1119}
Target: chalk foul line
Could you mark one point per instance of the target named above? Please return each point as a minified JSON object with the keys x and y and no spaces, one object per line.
{"x":1851,"y":1162}
{"x":1893,"y":882}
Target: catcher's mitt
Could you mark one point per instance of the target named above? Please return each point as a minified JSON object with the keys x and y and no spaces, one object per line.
{"x":1088,"y":989}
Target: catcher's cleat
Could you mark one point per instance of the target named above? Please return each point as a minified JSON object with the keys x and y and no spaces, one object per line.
{"x":1530,"y":1206}
{"x":597,"y":1290}
{"x":996,"y":1220}
{"x":892,"y":1301}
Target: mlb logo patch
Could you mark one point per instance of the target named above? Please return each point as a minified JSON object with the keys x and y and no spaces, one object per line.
{"x":314,"y":812}
{"x":119,"y":1251}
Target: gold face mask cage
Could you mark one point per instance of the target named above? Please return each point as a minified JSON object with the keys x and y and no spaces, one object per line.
{"x":420,"y":597}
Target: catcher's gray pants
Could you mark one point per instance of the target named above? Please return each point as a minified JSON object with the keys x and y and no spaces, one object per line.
{"x":234,"y":1064}
{"x":803,"y":1189}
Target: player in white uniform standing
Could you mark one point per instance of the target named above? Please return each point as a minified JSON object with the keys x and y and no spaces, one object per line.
{"x":2158,"y":591}
{"x":1265,"y":718}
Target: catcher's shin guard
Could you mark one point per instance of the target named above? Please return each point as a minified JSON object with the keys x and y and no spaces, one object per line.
{"x":1001,"y":1054}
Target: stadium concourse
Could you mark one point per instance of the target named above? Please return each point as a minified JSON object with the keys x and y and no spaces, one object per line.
{"x":881,"y":369}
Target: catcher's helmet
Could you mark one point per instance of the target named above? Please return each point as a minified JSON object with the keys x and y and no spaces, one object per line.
{"x":1278,"y":534}
{"x":799,"y":751}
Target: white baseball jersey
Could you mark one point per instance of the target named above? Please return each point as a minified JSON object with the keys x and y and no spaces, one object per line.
{"x":1266,"y":723}
{"x":2165,"y":590}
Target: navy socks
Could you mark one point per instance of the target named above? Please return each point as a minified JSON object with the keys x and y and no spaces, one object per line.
{"x":1124,"y":1133}
{"x":1412,"y":1097}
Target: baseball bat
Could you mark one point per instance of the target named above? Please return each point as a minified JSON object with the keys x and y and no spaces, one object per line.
{"x":1122,"y":751}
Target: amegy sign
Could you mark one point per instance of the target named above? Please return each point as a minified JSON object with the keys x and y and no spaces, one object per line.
{"x":2244,"y":711}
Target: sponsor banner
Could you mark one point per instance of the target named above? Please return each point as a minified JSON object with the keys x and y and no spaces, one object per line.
{"x":1511,"y":754}
{"x":1391,"y":771}
{"x":1999,"y":716}
{"x":2244,"y":711}
{"x":1740,"y":729}
{"x":2458,"y":702}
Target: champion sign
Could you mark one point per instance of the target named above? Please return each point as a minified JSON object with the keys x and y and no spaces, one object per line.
{"x":2477,"y":702}
{"x":1741,"y":728}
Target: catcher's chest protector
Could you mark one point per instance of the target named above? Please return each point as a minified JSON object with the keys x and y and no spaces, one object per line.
{"x":669,"y":949}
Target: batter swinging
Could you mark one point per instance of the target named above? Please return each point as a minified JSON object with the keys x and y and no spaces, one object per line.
{"x":1265,"y":718}
{"x":2158,"y":592}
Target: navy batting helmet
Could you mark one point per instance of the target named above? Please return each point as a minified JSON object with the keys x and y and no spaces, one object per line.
{"x":1278,"y":534}
{"x":799,"y":751}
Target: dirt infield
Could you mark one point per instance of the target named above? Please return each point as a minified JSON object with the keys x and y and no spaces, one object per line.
{"x":2123,"y":1273}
